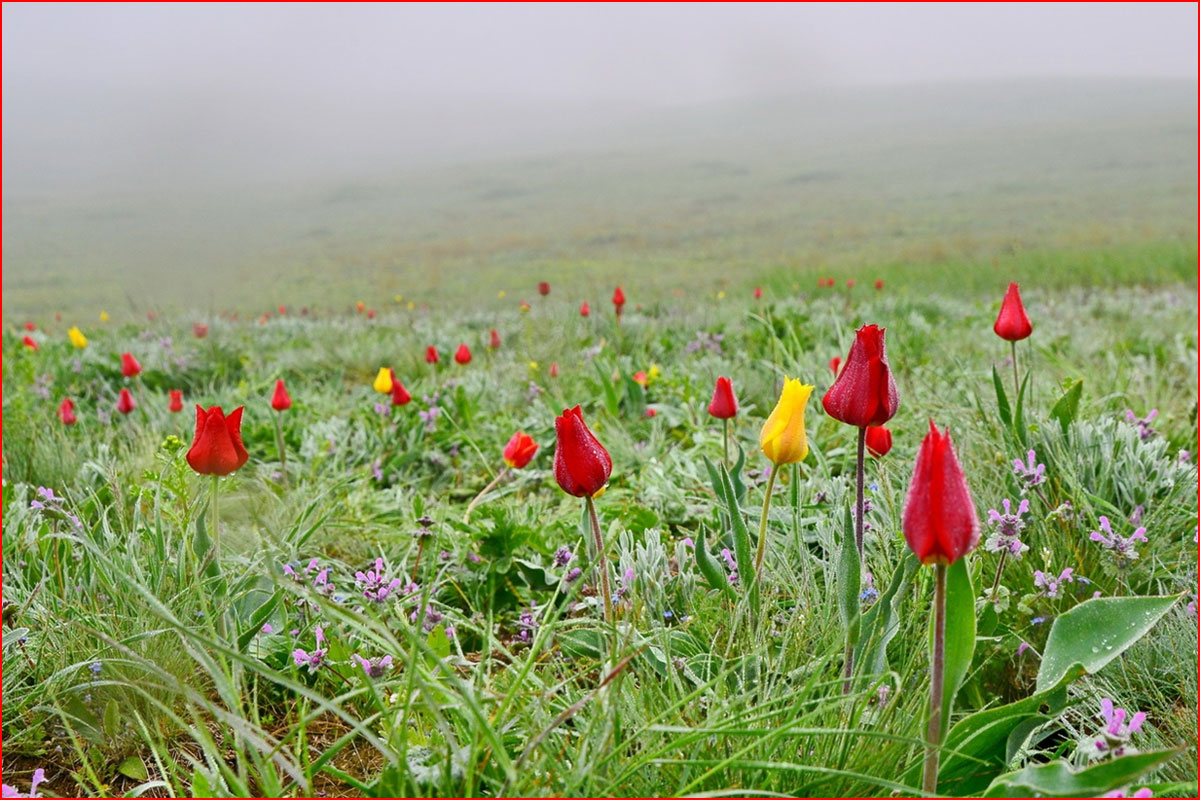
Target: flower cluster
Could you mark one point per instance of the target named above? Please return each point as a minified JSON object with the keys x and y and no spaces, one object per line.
{"x":1142,"y":423}
{"x":1030,"y":473}
{"x":1050,"y":585}
{"x":1115,"y":736}
{"x":1121,"y":547}
{"x":377,"y":585}
{"x":1006,"y":529}
{"x":312,"y":659}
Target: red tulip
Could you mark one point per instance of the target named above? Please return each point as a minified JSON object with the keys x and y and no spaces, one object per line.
{"x":879,"y":284}
{"x":524,"y":306}
{"x":543,"y":288}
{"x":125,"y":403}
{"x":371,"y":314}
{"x":400,"y":395}
{"x":30,"y":343}
{"x":217,"y":447}
{"x":618,"y":300}
{"x":724,"y":404}
{"x":849,"y":283}
{"x":583,"y":309}
{"x":29,"y":326}
{"x":520,"y":450}
{"x":359,"y":306}
{"x":175,"y":404}
{"x":553,"y":369}
{"x":282,"y":310}
{"x":1012,"y":324}
{"x":640,"y":378}
{"x":199,"y":330}
{"x":651,"y":412}
{"x":494,"y":343}
{"x":758,"y":293}
{"x":66,"y":412}
{"x":581,"y":464}
{"x":463,"y":354}
{"x":879,"y":440}
{"x":281,"y":400}
{"x":940,"y":524}
{"x":129,"y":365}
{"x":835,"y":364}
{"x":431,"y":355}
{"x":864,"y":393}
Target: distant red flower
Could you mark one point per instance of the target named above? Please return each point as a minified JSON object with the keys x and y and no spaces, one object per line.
{"x":724,"y":404}
{"x":360,"y":306}
{"x":66,"y":412}
{"x":463,"y":354}
{"x":581,"y":464}
{"x":281,"y":400}
{"x":199,"y":330}
{"x":1012,"y":324}
{"x":640,"y":378}
{"x":175,"y":404}
{"x":125,"y":402}
{"x":282,"y":310}
{"x":431,"y":355}
{"x":583,"y":309}
{"x":130,"y":367}
{"x":879,"y":440}
{"x":864,"y":394}
{"x":29,"y":326}
{"x":618,"y":300}
{"x":758,"y":293}
{"x":494,"y":341}
{"x":850,"y":283}
{"x":371,"y":314}
{"x":650,"y":412}
{"x":29,"y":342}
{"x":400,"y":395}
{"x":543,"y":288}
{"x":940,"y":524}
{"x":553,"y":369}
{"x":879,"y":284}
{"x":835,"y":364}
{"x":520,"y":450}
{"x":217,"y":447}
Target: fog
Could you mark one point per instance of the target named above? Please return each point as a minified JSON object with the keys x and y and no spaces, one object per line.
{"x":116,"y":98}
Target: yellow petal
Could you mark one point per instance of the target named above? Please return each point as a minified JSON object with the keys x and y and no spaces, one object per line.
{"x":383,"y":381}
{"x":783,"y":438}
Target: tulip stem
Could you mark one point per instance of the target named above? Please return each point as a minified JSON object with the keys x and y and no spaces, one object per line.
{"x":726,"y":443}
{"x":606,"y":593}
{"x":486,"y":489}
{"x":279,"y":444}
{"x":858,"y":500}
{"x":762,"y":524}
{"x":936,"y":687}
{"x":999,"y":572}
{"x":1016,"y":380}
{"x":216,"y":520}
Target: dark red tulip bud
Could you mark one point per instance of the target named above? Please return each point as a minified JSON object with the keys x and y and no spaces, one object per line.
{"x":129,"y":365}
{"x":864,"y":393}
{"x":940,"y":523}
{"x":217,"y":447}
{"x":835,"y":364}
{"x":175,"y":403}
{"x":520,"y":450}
{"x":553,"y":369}
{"x":30,"y":343}
{"x":543,"y":288}
{"x":581,"y":464}
{"x":1012,"y":324}
{"x":66,"y":412}
{"x":463,"y":354}
{"x":879,"y":284}
{"x":494,"y":342}
{"x":583,"y":309}
{"x":400,"y":395}
{"x":281,"y":400}
{"x":879,"y":441}
{"x":29,"y":326}
{"x":724,"y":404}
{"x":199,"y":330}
{"x":758,"y":293}
{"x":431,"y":355}
{"x":618,"y":300}
{"x":125,"y":402}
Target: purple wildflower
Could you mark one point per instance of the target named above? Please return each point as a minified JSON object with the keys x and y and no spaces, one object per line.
{"x":1051,"y":585}
{"x":563,"y":556}
{"x":376,"y":584}
{"x":1120,"y":546}
{"x":432,"y":617}
{"x":730,"y":563}
{"x":39,"y":776}
{"x":1007,"y":528}
{"x":1117,"y":732}
{"x":1142,"y":423}
{"x":572,"y":575}
{"x":1030,"y":473}
{"x":374,"y":668}
{"x":527,"y":622}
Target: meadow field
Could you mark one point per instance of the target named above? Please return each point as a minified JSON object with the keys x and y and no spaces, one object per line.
{"x":374,"y":605}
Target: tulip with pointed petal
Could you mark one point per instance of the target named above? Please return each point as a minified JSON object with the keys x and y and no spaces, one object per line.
{"x":175,"y":402}
{"x":463,"y":355}
{"x":66,"y":412}
{"x":582,"y":467}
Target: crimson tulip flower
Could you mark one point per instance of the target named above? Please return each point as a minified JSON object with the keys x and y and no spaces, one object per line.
{"x":864,"y":393}
{"x":125,"y":403}
{"x":850,"y":283}
{"x":1012,"y":324}
{"x":29,"y":326}
{"x":758,"y":293}
{"x":199,"y":330}
{"x":879,"y":284}
{"x":463,"y":354}
{"x":431,"y":355}
{"x":583,"y":309}
{"x":618,"y":300}
{"x":494,"y":343}
{"x":217,"y":447}
{"x":175,"y":404}
{"x":130,"y":367}
{"x":553,"y":371}
{"x":835,"y":364}
{"x":520,"y":450}
{"x":543,"y":288}
{"x":66,"y":412}
{"x":281,"y":400}
{"x":400,"y":395}
{"x":29,"y":342}
{"x":879,"y":441}
{"x":581,"y":464}
{"x":724,"y":404}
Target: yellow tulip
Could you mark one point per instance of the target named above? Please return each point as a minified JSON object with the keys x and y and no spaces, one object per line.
{"x":411,"y":305}
{"x":383,"y":381}
{"x":783,"y":439}
{"x":501,"y":294}
{"x":77,"y":338}
{"x":399,"y":298}
{"x":104,"y":316}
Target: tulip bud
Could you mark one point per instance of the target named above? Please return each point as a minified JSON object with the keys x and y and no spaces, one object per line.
{"x":553,"y":371}
{"x":835,"y":364}
{"x":520,"y":450}
{"x":130,"y":367}
{"x":879,"y":284}
{"x":175,"y":403}
{"x":29,"y":342}
{"x":66,"y":412}
{"x":400,"y":395}
{"x":543,"y":288}
{"x":581,"y":464}
{"x":463,"y":355}
{"x":583,"y":309}
{"x":125,"y":402}
{"x":282,"y":310}
{"x":431,"y":355}
{"x":618,"y":300}
{"x":864,"y":393}
{"x":359,"y":306}
{"x":217,"y":447}
{"x":281,"y":400}
{"x":640,"y":378}
{"x":78,"y":340}
{"x":1012,"y":324}
{"x":940,"y":523}
{"x":199,"y":330}
{"x":495,"y":340}
{"x":879,"y":440}
{"x":783,"y":439}
{"x":29,"y":326}
{"x":383,"y":381}
{"x":724,"y":404}
{"x":850,"y":283}
{"x":758,"y":293}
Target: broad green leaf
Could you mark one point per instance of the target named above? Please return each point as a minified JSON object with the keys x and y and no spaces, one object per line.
{"x":1057,"y":779}
{"x":960,"y":633}
{"x":257,"y":620}
{"x":1001,"y":399}
{"x":438,"y":641}
{"x":849,"y":580}
{"x":709,"y":568}
{"x":741,"y":534}
{"x":1067,"y":407}
{"x":881,"y":621}
{"x":112,"y":719}
{"x":133,"y":768}
{"x":1095,"y":632}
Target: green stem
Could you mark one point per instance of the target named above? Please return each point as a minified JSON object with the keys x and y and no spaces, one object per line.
{"x":486,"y":489}
{"x":726,"y":443}
{"x":762,"y":524}
{"x":858,"y":520}
{"x":279,"y":445}
{"x":936,"y":688}
{"x":601,"y":564}
{"x":1016,"y":381}
{"x":216,"y":520}
{"x":999,"y":572}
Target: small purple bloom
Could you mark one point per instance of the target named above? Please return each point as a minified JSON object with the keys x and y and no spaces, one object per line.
{"x":1121,"y":547}
{"x":563,"y":556}
{"x":374,"y":668}
{"x":1030,"y":473}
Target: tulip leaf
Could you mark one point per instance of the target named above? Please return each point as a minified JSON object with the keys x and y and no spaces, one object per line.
{"x":1057,"y":779}
{"x":741,"y":534}
{"x":849,"y":580}
{"x":202,"y":545}
{"x":881,"y":621}
{"x":1093,"y":633}
{"x":1067,"y":407}
{"x":257,"y":620}
{"x":960,"y":633}
{"x":112,"y":719}
{"x":133,"y":768}
{"x":1001,"y":399}
{"x":709,"y":568}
